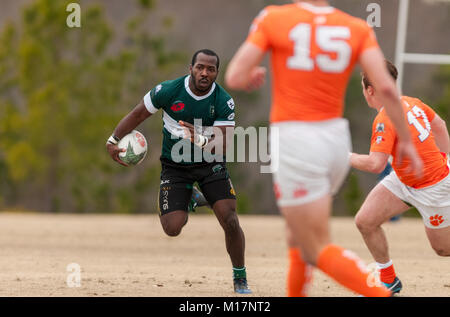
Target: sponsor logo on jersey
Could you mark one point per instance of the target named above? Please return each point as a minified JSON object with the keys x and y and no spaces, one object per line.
{"x":212,"y":112}
{"x":177,"y":106}
{"x":379,"y":139}
{"x":380,"y":127}
{"x":232,"y":191}
{"x":217,"y":168}
{"x":158,"y":88}
{"x":230,"y":104}
{"x":231,"y":116}
{"x":257,"y":20}
{"x":165,"y":199}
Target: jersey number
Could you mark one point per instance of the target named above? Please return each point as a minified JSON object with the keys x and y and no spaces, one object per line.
{"x":329,"y":39}
{"x":413,"y":115}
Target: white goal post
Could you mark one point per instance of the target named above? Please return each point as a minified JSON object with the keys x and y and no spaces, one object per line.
{"x":401,"y":57}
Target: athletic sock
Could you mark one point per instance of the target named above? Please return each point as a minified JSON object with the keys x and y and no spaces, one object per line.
{"x":387,"y":272}
{"x":347,"y":269}
{"x":239,"y":272}
{"x":299,"y":274}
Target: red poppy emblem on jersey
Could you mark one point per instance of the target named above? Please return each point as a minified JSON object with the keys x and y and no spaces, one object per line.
{"x":178,"y":106}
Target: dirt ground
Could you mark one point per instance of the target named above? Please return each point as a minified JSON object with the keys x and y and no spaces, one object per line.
{"x":130,"y":256}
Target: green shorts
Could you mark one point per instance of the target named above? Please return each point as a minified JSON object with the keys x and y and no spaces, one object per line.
{"x":177,"y":180}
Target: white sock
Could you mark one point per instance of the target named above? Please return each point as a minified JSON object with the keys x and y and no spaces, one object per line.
{"x":384,"y":265}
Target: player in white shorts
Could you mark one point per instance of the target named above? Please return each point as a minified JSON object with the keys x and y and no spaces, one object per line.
{"x":400,"y":190}
{"x":314,"y":48}
{"x":313,"y":159}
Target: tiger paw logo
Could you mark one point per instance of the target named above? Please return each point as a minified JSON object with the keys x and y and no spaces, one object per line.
{"x":436,"y":220}
{"x":177,"y":106}
{"x":277,"y":191}
{"x":300,"y":191}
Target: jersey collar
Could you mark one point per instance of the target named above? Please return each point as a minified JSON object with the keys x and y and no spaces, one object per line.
{"x":186,"y":86}
{"x":316,"y":9}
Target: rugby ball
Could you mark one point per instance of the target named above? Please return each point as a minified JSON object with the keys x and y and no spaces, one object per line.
{"x":135,"y":145}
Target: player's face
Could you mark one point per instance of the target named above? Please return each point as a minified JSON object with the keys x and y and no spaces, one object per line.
{"x":364,"y":89}
{"x":204,"y":72}
{"x":368,"y":94}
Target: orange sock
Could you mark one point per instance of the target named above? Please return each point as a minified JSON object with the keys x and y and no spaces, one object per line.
{"x":387,"y":272}
{"x":299,"y":274}
{"x":347,"y":269}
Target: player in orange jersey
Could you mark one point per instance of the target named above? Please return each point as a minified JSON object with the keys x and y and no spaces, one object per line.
{"x":429,"y":194}
{"x":314,"y":48}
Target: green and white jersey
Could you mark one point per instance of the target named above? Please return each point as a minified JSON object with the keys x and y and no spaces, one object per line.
{"x":178,"y":102}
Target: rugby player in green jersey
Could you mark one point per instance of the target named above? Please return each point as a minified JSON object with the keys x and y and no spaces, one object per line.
{"x":198,"y":117}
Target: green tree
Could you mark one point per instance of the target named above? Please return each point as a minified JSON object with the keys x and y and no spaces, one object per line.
{"x":62,"y":91}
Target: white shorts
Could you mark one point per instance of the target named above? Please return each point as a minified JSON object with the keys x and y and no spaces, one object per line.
{"x":433,"y":202}
{"x":313,"y":159}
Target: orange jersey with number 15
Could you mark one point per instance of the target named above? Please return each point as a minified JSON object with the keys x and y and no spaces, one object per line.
{"x":419,"y":117}
{"x":314,"y":50}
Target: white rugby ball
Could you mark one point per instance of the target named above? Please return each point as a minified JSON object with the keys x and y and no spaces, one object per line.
{"x":135,"y":145}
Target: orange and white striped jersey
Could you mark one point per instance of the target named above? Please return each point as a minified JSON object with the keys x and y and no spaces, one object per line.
{"x":384,"y":139}
{"x":314,"y":50}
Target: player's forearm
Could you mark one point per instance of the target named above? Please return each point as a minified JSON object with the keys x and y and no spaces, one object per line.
{"x":242,"y":65}
{"x":366,"y":163}
{"x":441,"y":137}
{"x":237,"y":79}
{"x":394,"y":109}
{"x":443,"y":142}
{"x":131,"y":120}
{"x":373,"y":63}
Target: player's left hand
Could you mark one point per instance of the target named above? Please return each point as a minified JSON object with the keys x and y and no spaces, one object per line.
{"x":257,"y":78}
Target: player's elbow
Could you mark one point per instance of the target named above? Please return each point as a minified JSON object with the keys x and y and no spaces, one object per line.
{"x":438,"y":126}
{"x":232,"y":80}
{"x":389,"y":91}
{"x":377,"y":167}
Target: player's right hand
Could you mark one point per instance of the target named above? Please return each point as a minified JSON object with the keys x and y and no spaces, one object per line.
{"x":406,"y":149}
{"x":114,"y":151}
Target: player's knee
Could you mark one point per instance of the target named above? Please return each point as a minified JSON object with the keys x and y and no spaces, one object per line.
{"x":441,"y":251}
{"x":231,"y":223}
{"x":172,"y":225}
{"x":362,"y":223}
{"x":171,"y":230}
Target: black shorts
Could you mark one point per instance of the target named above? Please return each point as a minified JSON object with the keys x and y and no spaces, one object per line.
{"x":177,"y":180}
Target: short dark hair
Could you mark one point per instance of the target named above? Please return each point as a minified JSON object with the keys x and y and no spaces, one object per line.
{"x":206,"y":52}
{"x":391,"y":69}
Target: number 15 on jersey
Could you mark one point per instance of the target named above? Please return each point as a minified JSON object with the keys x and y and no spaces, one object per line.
{"x":330,"y":39}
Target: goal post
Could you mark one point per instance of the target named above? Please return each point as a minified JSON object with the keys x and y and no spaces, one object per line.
{"x":402,"y":57}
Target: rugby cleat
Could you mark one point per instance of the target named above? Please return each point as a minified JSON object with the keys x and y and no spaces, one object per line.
{"x":395,"y":287}
{"x":197,"y":200}
{"x":240,"y":286}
